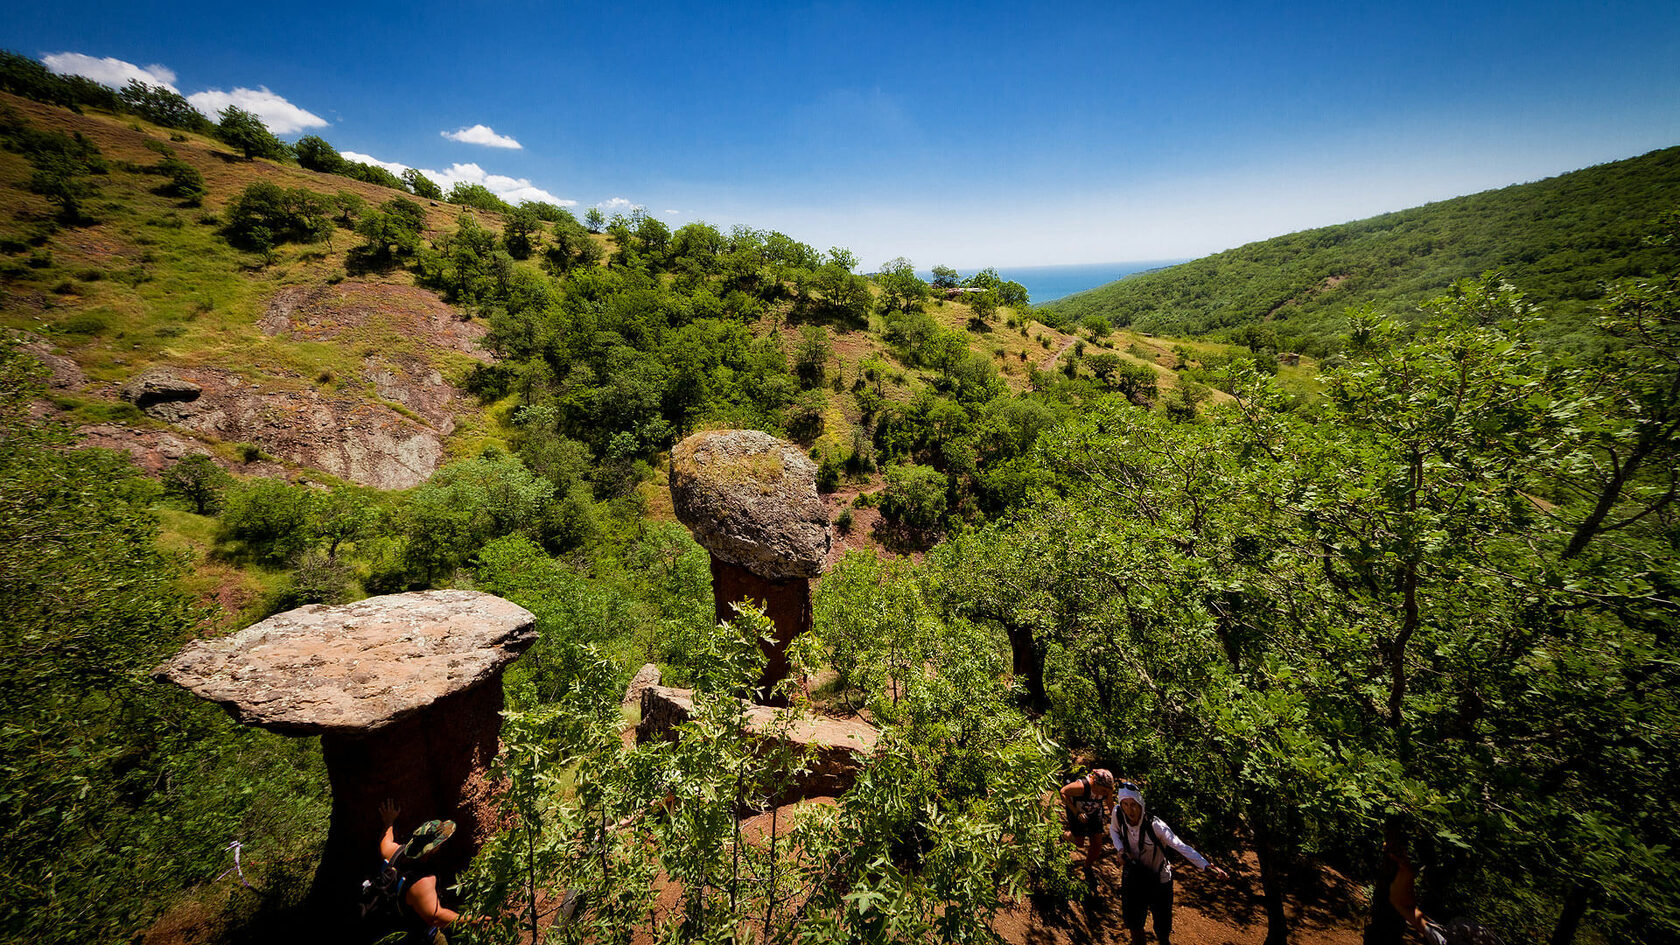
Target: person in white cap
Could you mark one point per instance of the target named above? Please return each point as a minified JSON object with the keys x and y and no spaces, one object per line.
{"x":1146,"y":878}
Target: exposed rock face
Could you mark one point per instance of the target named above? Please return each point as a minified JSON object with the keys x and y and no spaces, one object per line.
{"x":355,"y":668}
{"x":332,"y":312}
{"x":645,"y":677}
{"x":833,"y":744}
{"x":159,"y":387}
{"x":157,"y":450}
{"x":406,"y":693}
{"x":366,"y":443}
{"x":751,"y":500}
{"x":62,"y":373}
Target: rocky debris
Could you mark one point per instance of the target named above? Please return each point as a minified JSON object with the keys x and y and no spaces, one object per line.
{"x":751,"y":500}
{"x":62,"y":373}
{"x":366,"y":443}
{"x":355,"y":668}
{"x":645,"y":677}
{"x":152,"y":388}
{"x":157,"y":450}
{"x":833,"y":744}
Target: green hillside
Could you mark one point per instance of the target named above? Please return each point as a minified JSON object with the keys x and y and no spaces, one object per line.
{"x":1558,"y":240}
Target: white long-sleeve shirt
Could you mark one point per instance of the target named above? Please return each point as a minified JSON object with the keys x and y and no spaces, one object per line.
{"x":1149,"y":854}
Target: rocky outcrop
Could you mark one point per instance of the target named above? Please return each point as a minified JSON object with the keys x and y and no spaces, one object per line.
{"x":355,"y":668}
{"x":62,"y":373}
{"x":152,"y":388}
{"x":405,"y":692}
{"x":645,"y":678}
{"x":354,"y":439}
{"x":751,"y":500}
{"x":832,"y":746}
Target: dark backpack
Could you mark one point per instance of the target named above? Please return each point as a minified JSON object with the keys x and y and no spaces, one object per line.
{"x":1149,"y":832}
{"x":381,"y":897}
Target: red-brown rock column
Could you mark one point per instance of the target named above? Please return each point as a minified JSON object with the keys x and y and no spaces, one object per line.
{"x":787,"y":603}
{"x":751,"y":501}
{"x":434,"y":765}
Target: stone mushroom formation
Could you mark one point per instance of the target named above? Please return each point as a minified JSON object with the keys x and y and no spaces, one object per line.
{"x":751,"y":500}
{"x":404,"y":691}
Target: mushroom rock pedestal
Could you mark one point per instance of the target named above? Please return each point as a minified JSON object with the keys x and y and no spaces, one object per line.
{"x":405,"y":692}
{"x":751,"y":501}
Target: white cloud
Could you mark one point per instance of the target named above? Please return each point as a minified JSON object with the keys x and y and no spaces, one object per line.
{"x":614,"y":205}
{"x":281,"y":116}
{"x":482,"y":134}
{"x":675,"y":213}
{"x":109,"y":71}
{"x":361,"y":158}
{"x":511,"y":189}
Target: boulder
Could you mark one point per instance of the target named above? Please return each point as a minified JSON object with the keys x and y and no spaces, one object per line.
{"x":158,"y":387}
{"x":405,"y":692}
{"x":751,"y":500}
{"x":355,"y":668}
{"x":645,"y":677}
{"x":833,"y":745}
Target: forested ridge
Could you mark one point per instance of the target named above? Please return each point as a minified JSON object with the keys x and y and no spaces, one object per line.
{"x":1434,"y":584}
{"x":1561,"y":239}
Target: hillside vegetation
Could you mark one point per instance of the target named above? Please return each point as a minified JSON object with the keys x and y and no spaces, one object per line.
{"x":1559,"y":240}
{"x":1432,"y":587}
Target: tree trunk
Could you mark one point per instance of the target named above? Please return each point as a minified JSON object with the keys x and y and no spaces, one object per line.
{"x":1027,"y":663}
{"x":1274,"y":880}
{"x":1574,"y":907}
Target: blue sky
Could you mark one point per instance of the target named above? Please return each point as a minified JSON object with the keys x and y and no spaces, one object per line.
{"x":960,"y":134}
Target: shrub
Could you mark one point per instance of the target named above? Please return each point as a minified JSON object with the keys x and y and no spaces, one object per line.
{"x":268,"y":520}
{"x":265,"y":215}
{"x":914,"y":498}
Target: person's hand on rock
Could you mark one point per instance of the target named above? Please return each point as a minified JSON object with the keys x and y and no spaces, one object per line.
{"x":389,"y":810}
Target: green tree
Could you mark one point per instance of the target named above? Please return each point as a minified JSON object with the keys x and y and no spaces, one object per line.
{"x":914,"y":498}
{"x":241,"y":129}
{"x":595,"y":220}
{"x":199,"y":481}
{"x":391,"y":233}
{"x":265,"y":215}
{"x":421,"y":186}
{"x":162,"y":106}
{"x":315,"y":154}
{"x":903,"y":289}
{"x":944,"y":277}
{"x":520,"y":230}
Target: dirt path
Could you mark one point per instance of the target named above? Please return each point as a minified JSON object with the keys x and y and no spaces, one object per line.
{"x":1050,"y":363}
{"x":1206,"y":912}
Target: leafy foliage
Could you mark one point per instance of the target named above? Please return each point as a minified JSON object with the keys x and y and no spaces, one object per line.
{"x":1561,"y":239}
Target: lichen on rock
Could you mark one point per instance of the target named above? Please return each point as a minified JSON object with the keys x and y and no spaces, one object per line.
{"x":751,"y":500}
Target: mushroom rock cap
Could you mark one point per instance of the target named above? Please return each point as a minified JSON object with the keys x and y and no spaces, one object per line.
{"x":355,"y":668}
{"x":751,"y":500}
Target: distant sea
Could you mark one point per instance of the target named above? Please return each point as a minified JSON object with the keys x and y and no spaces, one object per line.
{"x":1049,"y":283}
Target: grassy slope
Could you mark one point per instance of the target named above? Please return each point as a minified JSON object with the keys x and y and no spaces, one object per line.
{"x":1556,"y":239}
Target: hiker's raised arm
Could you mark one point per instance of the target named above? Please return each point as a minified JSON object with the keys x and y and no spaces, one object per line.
{"x":388,"y":846}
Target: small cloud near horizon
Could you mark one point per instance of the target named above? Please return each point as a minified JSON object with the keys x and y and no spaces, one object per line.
{"x":281,"y":116}
{"x":675,"y":213}
{"x":613,"y":205}
{"x":110,"y":70}
{"x":484,"y":135}
{"x":512,"y":189}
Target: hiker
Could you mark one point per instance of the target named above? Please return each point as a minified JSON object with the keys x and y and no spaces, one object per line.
{"x":1394,"y":896}
{"x":416,"y":886}
{"x":1086,"y":803}
{"x":1146,"y":878}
